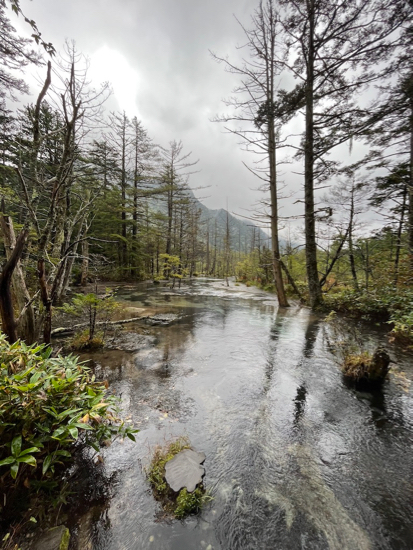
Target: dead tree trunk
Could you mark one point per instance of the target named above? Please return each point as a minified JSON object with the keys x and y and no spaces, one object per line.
{"x":6,"y":302}
{"x":25,"y":324}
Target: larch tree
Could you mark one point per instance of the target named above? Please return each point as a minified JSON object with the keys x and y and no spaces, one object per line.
{"x":252,"y":107}
{"x":175,"y":171}
{"x":336,"y":49}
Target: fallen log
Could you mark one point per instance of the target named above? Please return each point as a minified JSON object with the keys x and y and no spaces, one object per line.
{"x":74,"y":328}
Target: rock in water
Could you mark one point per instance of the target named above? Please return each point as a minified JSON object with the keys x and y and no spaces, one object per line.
{"x":185,"y":470}
{"x":57,"y":538}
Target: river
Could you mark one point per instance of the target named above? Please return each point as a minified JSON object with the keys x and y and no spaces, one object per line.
{"x":295,"y":459}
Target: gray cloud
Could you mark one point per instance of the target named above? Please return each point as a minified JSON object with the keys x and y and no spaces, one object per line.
{"x":180,"y":86}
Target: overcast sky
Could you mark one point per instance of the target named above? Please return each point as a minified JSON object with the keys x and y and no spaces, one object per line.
{"x":156,"y":55}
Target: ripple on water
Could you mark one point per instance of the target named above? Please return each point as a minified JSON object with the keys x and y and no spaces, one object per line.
{"x":295,"y":458}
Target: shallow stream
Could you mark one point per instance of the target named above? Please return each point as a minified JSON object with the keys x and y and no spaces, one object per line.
{"x":295,"y":459}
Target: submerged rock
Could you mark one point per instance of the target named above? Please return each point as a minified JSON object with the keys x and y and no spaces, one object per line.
{"x":163,"y":319}
{"x":130,"y":341}
{"x":57,"y":538}
{"x":185,"y":470}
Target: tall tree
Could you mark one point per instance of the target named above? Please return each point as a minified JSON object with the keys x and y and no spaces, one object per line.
{"x":394,"y":189}
{"x":174,"y":175}
{"x":120,"y":137}
{"x":335,"y":50}
{"x":253,"y":104}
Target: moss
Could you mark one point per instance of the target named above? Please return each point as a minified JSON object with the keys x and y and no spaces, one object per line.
{"x":156,"y":472}
{"x":356,"y":366}
{"x":190,"y":503}
{"x":64,"y":543}
{"x":81,"y":341}
{"x":178,"y":504}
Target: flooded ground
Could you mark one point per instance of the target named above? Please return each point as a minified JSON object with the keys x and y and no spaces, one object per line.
{"x":294,"y":458}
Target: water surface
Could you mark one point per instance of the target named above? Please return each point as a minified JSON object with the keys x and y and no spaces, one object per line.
{"x":295,"y":459}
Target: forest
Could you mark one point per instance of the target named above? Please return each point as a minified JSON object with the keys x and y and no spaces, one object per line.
{"x":87,"y":194}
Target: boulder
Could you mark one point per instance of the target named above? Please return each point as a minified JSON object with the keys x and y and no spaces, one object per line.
{"x":185,"y":470}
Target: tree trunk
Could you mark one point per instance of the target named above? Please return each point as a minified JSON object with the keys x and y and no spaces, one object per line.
{"x":350,"y":242}
{"x":170,"y":218}
{"x":46,"y":301}
{"x":6,"y":302}
{"x":85,"y":263}
{"x":26,"y":321}
{"x":310,"y":235}
{"x":410,"y":232}
{"x":399,"y":237}
{"x":279,"y":283}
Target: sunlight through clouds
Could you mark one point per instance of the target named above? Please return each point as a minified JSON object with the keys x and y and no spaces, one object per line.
{"x":111,"y":66}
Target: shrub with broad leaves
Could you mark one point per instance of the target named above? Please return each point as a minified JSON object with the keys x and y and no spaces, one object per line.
{"x":49,"y":406}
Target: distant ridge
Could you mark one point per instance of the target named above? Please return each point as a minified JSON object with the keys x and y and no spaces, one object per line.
{"x":244,"y":234}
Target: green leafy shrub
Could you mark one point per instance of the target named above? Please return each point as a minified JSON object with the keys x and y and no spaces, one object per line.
{"x":403,"y":324}
{"x":386,"y":303}
{"x":48,"y":406}
{"x":98,"y":311}
{"x":183,"y":503}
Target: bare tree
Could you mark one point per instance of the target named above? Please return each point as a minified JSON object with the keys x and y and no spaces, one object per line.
{"x":253,"y":107}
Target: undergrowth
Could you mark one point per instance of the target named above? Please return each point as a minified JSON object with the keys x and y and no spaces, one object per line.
{"x":50,"y":407}
{"x":389,"y":304}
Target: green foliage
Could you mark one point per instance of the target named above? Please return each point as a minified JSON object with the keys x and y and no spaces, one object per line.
{"x":171,"y":265}
{"x":47,"y":405}
{"x":98,"y":311}
{"x":388,"y":303}
{"x":82,"y":341}
{"x":156,"y":472}
{"x":184,"y":503}
{"x":190,"y":503}
{"x":402,"y":322}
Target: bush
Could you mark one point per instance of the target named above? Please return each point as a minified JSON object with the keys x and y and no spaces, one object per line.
{"x":48,"y":407}
{"x":403,"y":324}
{"x":98,"y":311}
{"x":386,"y":303}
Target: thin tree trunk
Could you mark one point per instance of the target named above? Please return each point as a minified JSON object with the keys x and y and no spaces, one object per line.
{"x":46,"y":301}
{"x":336,"y":257}
{"x":399,"y":238}
{"x":279,"y":283}
{"x":350,"y":242}
{"x":410,"y":233}
{"x":207,"y":250}
{"x":85,"y":263}
{"x":291,"y":281}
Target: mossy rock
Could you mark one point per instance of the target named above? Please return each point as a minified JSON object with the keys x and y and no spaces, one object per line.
{"x":178,"y":500}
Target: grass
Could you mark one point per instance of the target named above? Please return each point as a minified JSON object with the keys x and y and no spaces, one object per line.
{"x":179,"y":504}
{"x":82,"y":342}
{"x":357,"y":366}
